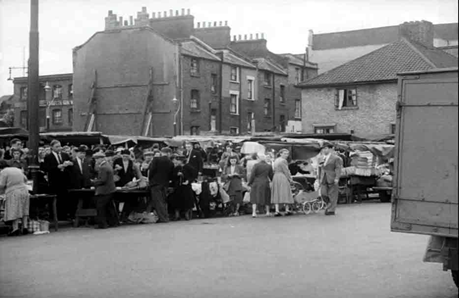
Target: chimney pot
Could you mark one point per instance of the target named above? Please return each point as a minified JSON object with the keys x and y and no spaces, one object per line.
{"x":256,"y":36}
{"x":251,"y":36}
{"x":183,"y":11}
{"x":203,"y":24}
{"x":131,"y":20}
{"x":245,"y":36}
{"x":215,"y":24}
{"x":234,"y":37}
{"x":198,"y":24}
{"x":159,"y":15}
{"x":165,"y":14}
{"x":121,"y":21}
{"x":110,"y":12}
{"x":144,"y":9}
{"x":221,"y":23}
{"x":239,"y":37}
{"x":153,"y":15}
{"x":210,"y":24}
{"x":126,"y":23}
{"x":262,"y":36}
{"x":176,"y":13}
{"x":171,"y":13}
{"x":226,"y":23}
{"x":188,"y":12}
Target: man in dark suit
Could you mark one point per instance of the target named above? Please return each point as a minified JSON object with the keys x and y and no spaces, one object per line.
{"x":81,"y":169}
{"x":194,"y":158}
{"x":160,"y":173}
{"x":125,"y":169}
{"x":329,"y":175}
{"x":105,"y":189}
{"x":58,"y":166}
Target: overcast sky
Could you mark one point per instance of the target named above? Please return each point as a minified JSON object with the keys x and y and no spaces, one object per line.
{"x":65,"y":24}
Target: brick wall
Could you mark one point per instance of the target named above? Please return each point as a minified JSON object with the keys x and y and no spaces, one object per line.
{"x":123,"y":60}
{"x":208,"y":100}
{"x":62,"y":104}
{"x":374,"y":116}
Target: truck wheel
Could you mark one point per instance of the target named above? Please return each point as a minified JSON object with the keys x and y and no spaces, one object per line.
{"x":455,"y":274}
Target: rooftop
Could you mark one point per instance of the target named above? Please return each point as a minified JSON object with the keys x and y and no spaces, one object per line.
{"x":384,"y":64}
{"x":374,"y":36}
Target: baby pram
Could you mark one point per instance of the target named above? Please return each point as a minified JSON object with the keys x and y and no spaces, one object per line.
{"x":307,"y":201}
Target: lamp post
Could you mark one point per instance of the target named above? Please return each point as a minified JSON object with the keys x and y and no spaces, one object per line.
{"x":48,"y":104}
{"x":33,"y":91}
{"x":175,"y":101}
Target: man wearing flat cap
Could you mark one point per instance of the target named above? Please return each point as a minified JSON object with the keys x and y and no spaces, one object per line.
{"x":329,"y":175}
{"x":105,"y":189}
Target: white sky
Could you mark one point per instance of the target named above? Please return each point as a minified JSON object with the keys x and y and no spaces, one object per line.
{"x":65,"y":24}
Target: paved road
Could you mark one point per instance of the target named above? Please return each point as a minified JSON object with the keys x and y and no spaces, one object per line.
{"x":350,"y":255}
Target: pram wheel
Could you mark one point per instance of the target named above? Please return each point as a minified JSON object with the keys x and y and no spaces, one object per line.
{"x":307,"y":208}
{"x":317,"y":206}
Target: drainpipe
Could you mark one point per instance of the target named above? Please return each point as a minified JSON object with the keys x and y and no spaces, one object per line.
{"x":274,"y":102}
{"x":240,"y":100}
{"x":181,"y":89}
{"x":220,"y":103}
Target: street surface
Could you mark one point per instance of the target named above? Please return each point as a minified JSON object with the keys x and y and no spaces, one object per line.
{"x":353,"y":255}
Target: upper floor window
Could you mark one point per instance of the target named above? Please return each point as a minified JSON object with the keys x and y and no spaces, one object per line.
{"x":70,"y":91}
{"x":70,"y":115}
{"x":194,"y":101}
{"x":57,"y":92}
{"x":267,"y":78}
{"x":282,"y":94}
{"x":251,"y":88}
{"x":57,"y":116}
{"x":250,"y":119}
{"x":282,"y":123}
{"x":194,"y":130}
{"x":214,"y":82}
{"x":234,"y":74}
{"x":297,"y":108}
{"x":297,"y":75}
{"x":234,"y":130}
{"x":234,"y":103}
{"x":267,"y":107}
{"x":23,"y":93}
{"x":346,"y":98}
{"x":23,"y":119}
{"x":194,"y":66}
{"x":393,"y":128}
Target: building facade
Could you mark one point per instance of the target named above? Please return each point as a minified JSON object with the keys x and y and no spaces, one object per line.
{"x":159,"y":75}
{"x":55,"y":101}
{"x":360,"y":97}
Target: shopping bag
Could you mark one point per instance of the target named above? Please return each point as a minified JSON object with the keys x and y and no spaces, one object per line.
{"x":246,"y":197}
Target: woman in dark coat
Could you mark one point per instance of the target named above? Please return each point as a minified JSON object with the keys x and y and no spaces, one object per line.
{"x":233,"y":174}
{"x":183,"y":197}
{"x":260,"y":179}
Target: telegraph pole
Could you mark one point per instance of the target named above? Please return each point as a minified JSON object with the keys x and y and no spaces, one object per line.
{"x":33,"y":91}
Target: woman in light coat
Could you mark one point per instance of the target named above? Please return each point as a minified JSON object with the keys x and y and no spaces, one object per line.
{"x":13,"y":183}
{"x":281,"y":192}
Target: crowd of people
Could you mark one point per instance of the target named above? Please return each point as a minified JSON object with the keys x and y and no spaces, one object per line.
{"x":167,"y":173}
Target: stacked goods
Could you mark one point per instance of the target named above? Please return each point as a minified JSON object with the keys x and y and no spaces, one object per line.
{"x":363,"y":163}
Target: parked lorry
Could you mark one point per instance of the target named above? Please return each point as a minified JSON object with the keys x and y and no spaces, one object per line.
{"x":425,"y":189}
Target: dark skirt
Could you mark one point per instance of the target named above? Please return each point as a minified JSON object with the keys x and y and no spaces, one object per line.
{"x":183,"y":198}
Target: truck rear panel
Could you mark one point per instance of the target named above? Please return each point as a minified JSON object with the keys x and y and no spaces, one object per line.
{"x":425,"y":197}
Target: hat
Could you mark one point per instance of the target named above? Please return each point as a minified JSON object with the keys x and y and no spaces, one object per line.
{"x":99,"y":155}
{"x":125,"y":152}
{"x":119,"y":149}
{"x":327,"y":145}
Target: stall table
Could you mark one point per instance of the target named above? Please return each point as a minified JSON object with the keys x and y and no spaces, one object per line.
{"x":88,"y":194}
{"x":37,"y":199}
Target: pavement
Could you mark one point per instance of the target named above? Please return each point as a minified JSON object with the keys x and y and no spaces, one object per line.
{"x":352,"y":254}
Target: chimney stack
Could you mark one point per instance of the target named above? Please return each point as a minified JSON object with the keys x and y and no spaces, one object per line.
{"x":183,"y":11}
{"x":111,"y":21}
{"x":121,"y":21}
{"x":310,"y":38}
{"x":421,"y":32}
